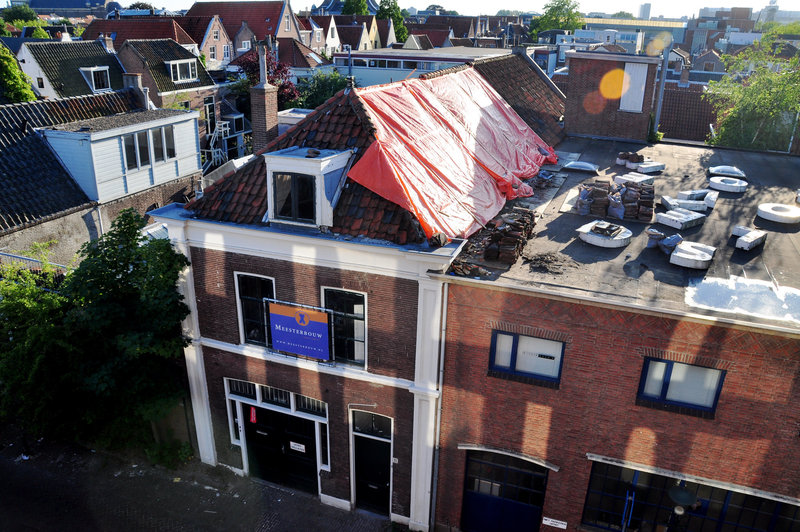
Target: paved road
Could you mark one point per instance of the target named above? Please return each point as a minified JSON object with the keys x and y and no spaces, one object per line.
{"x":64,"y":488}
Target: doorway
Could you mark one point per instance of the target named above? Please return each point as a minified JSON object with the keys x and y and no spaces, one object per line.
{"x":372,"y":453}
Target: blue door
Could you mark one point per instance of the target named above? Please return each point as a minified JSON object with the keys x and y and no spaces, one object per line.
{"x":502,"y":493}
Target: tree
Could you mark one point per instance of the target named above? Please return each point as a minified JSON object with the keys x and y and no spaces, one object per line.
{"x":355,"y":7}
{"x":758,"y":102}
{"x":508,"y":13}
{"x":319,"y":88}
{"x":39,"y":33}
{"x":278,"y":75}
{"x":14,"y":84}
{"x":389,"y":9}
{"x":140,"y":5}
{"x":3,"y":31}
{"x":20,"y":12}
{"x":558,"y":15}
{"x":623,"y":14}
{"x":95,"y":356}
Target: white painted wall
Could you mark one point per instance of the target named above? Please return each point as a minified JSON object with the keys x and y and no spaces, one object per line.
{"x":76,"y":155}
{"x":34,"y":71}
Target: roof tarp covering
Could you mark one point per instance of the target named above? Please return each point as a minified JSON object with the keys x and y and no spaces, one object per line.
{"x":449,"y":150}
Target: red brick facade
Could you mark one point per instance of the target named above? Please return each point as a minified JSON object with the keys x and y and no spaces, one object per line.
{"x":752,"y":440}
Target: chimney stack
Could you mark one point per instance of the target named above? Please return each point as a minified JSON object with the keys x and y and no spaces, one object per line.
{"x":133,"y":80}
{"x":684,"y":82}
{"x":263,"y":105}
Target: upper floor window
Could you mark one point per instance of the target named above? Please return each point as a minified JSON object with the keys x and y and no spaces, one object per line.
{"x":182,"y":71}
{"x":97,"y":77}
{"x":215,"y":34}
{"x":143,"y":148}
{"x":349,"y":325}
{"x":212,"y":52}
{"x":678,"y":386}
{"x":318,"y":33}
{"x":246,"y":45}
{"x":519,"y":357}
{"x":288,"y":24}
{"x":333,"y":32}
{"x":254,"y":320}
{"x":226,"y":52}
{"x":294,"y":196}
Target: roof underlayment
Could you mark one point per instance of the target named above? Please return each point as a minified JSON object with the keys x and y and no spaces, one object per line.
{"x":449,"y":149}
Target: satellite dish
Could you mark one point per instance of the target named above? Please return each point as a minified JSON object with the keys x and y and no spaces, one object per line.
{"x":681,"y":496}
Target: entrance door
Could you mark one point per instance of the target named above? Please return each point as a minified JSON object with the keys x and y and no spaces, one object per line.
{"x":281,"y":448}
{"x":502,"y":493}
{"x":372,"y":451}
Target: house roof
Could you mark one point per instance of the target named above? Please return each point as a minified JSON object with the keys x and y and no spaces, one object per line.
{"x":354,"y":20}
{"x":15,"y":43}
{"x":137,"y":28}
{"x":461,"y":26}
{"x":324,"y":22}
{"x":437,"y":38}
{"x":105,"y":123}
{"x":35,"y":185}
{"x":305,"y":23}
{"x":156,"y":52}
{"x":418,"y":42}
{"x":351,"y":35}
{"x":263,"y":18}
{"x":608,"y":47}
{"x":296,"y":54}
{"x":384,"y":25}
{"x":61,"y":63}
{"x":195,"y":27}
{"x":461,"y":41}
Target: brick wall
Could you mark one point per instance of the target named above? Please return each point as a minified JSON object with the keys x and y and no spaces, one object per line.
{"x":391,"y":303}
{"x":753,"y":440}
{"x":589,"y":112}
{"x":263,"y":114}
{"x":175,"y":191}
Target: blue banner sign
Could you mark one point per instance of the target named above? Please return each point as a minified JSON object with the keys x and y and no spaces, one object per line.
{"x":299,"y":331}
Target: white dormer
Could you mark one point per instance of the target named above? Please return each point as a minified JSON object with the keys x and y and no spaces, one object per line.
{"x":97,"y":78}
{"x":303,"y":185}
{"x":183,"y":70}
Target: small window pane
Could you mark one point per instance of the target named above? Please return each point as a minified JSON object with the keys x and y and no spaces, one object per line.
{"x":130,"y":152}
{"x":655,"y":378}
{"x":100,"y":79}
{"x":169,"y":141}
{"x":693,"y":384}
{"x":158,"y":144}
{"x":144,"y":150}
{"x":502,"y":352}
{"x":305,"y":197}
{"x":538,"y":356}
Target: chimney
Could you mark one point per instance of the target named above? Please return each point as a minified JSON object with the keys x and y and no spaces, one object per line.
{"x":684,"y":82}
{"x":263,"y":105}
{"x":133,"y":80}
{"x":108,"y":42}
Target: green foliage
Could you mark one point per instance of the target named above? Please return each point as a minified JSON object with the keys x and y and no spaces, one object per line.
{"x":3,"y":31}
{"x":355,"y":7}
{"x":39,"y":33}
{"x":203,"y":59}
{"x":508,"y":13}
{"x":14,"y":84}
{"x":442,"y":10}
{"x":558,"y":15}
{"x":653,"y":134}
{"x":140,"y":5}
{"x":78,"y":30}
{"x":20,"y":12}
{"x":623,"y":14}
{"x":169,"y":454}
{"x":97,"y":355}
{"x":758,"y":102}
{"x":316,"y":90}
{"x":792,"y":28}
{"x":390,"y":9}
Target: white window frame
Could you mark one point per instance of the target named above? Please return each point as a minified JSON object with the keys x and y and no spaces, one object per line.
{"x":288,"y":24}
{"x":215,"y":34}
{"x":150,"y":148}
{"x":226,"y":52}
{"x":318,"y":33}
{"x":366,"y":325}
{"x":89,"y":72}
{"x":175,"y":68}
{"x":239,"y":313}
{"x":245,"y":45}
{"x":212,"y":53}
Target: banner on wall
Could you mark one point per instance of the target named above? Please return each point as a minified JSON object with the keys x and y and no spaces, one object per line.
{"x":299,"y":331}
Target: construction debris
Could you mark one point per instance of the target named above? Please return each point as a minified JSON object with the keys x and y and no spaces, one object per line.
{"x":628,"y":201}
{"x":552,"y":262}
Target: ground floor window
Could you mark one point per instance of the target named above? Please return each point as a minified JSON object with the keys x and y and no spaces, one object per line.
{"x":621,"y":498}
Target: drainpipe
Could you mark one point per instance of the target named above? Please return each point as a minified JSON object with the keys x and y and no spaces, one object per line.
{"x":437,"y":437}
{"x":661,"y":84}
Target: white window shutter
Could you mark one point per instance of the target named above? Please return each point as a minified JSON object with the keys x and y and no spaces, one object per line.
{"x":633,"y":90}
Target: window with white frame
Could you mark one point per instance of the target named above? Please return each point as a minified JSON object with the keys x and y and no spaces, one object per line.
{"x":98,"y":78}
{"x":288,"y":24}
{"x":680,"y":387}
{"x":226,"y":52}
{"x":212,"y":52}
{"x":251,"y":291}
{"x":183,"y":71}
{"x":146,"y":147}
{"x":348,"y":324}
{"x":294,"y":196}
{"x":215,"y":34}
{"x":519,"y":357}
{"x":318,"y":33}
{"x":245,"y":45}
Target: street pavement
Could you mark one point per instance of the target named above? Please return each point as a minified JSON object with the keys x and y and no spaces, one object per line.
{"x":59,"y":487}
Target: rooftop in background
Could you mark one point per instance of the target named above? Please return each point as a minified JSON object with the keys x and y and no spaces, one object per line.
{"x":461,"y":54}
{"x":759,"y":286}
{"x":104,"y":123}
{"x":137,"y":28}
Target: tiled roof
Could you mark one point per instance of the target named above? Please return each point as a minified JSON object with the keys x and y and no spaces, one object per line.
{"x":156,"y":52}
{"x":34,"y":185}
{"x":524,"y":86}
{"x":195,"y":27}
{"x":324,"y":22}
{"x":305,"y":23}
{"x":137,"y":28}
{"x":61,"y":63}
{"x":15,"y":43}
{"x":383,"y":30}
{"x":462,"y":26}
{"x":340,"y":123}
{"x":353,"y":20}
{"x":350,"y":35}
{"x":420,"y":42}
{"x":296,"y":54}
{"x":263,"y":18}
{"x":437,"y":38}
{"x":461,"y":41}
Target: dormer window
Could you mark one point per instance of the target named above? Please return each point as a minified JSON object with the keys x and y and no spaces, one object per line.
{"x":294,"y":197}
{"x":183,"y":71}
{"x":97,"y":78}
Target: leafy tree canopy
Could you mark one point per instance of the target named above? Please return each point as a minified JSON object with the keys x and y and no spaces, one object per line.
{"x":623,"y":14}
{"x":14,"y":84}
{"x":442,"y":10}
{"x":316,"y":90}
{"x":39,"y":33}
{"x":758,"y":102}
{"x":278,"y":75}
{"x":508,"y":13}
{"x":140,"y":5}
{"x":3,"y":31}
{"x":355,"y":7}
{"x":20,"y":12}
{"x":94,"y":355}
{"x":558,"y":15}
{"x":389,"y":9}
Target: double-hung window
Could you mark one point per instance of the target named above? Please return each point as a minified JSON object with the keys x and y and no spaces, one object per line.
{"x":215,"y":34}
{"x":212,"y":52}
{"x":254,"y":320}
{"x":349,"y":324}
{"x":97,"y":78}
{"x":680,"y":387}
{"x":526,"y":358}
{"x":183,"y":71}
{"x":226,"y":52}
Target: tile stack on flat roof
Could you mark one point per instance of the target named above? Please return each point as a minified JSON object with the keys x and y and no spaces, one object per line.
{"x":156,"y":52}
{"x":122,"y":30}
{"x":61,"y":63}
{"x":264,"y":18}
{"x":34,"y":185}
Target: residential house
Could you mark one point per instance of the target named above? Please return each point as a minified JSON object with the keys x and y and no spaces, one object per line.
{"x":334,"y":7}
{"x":369,"y":21}
{"x":212,"y":39}
{"x":679,"y":59}
{"x":463,"y":27}
{"x":708,"y":61}
{"x":439,"y":36}
{"x":418,"y":42}
{"x":62,"y":69}
{"x":120,"y":30}
{"x":255,"y":19}
{"x":313,"y":35}
{"x":60,"y":32}
{"x":355,"y":37}
{"x":386,"y":35}
{"x":330,"y":37}
{"x":302,"y":60}
{"x":69,"y":166}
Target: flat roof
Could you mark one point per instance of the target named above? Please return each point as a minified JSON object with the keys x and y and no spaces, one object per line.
{"x":761,"y":287}
{"x":452,"y":53}
{"x":105,"y":123}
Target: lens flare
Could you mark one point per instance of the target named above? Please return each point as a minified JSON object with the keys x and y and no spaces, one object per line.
{"x":594,"y":103}
{"x":614,"y":84}
{"x":658,"y":43}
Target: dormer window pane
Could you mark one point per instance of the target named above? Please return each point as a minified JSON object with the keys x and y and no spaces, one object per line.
{"x":294,"y":197}
{"x":184,"y":71}
{"x":169,"y":141}
{"x":100,"y":80}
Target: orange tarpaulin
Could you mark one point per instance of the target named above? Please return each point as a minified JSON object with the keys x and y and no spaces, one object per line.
{"x":450,"y":150}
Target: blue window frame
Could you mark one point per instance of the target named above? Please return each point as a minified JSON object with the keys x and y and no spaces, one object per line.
{"x":680,"y":387}
{"x":526,"y":358}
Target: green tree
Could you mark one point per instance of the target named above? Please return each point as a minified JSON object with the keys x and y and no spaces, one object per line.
{"x":558,"y":15}
{"x":316,"y":90}
{"x":389,"y":9}
{"x":3,"y":31}
{"x":20,"y":12}
{"x":95,"y":356}
{"x":140,"y":5}
{"x":623,"y":14}
{"x":39,"y":33}
{"x":14,"y":84}
{"x":758,"y":102}
{"x":355,"y":7}
{"x":508,"y":13}
{"x":278,"y":74}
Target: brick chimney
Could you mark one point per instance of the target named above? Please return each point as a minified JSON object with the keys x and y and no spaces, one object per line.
{"x":684,"y":82}
{"x":133,"y":80}
{"x":263,"y":105}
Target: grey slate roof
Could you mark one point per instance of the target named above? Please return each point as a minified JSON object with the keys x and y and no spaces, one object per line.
{"x":156,"y":52}
{"x":61,"y":63}
{"x":33,"y":185}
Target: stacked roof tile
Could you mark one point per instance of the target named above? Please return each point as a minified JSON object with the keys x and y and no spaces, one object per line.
{"x":156,"y":52}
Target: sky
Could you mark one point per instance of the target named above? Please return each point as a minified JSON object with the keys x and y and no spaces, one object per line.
{"x":670,"y":9}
